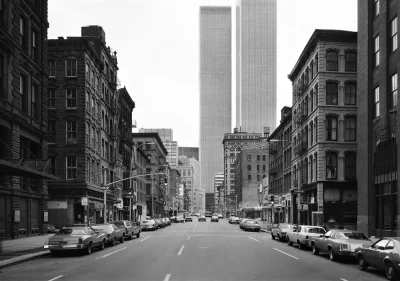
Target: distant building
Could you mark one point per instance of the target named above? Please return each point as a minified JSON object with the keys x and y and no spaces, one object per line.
{"x":218,"y":191}
{"x":165,"y":134}
{"x":189,"y":152}
{"x":139,"y":183}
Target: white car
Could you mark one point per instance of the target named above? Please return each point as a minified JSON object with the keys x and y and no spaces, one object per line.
{"x":214,"y":218}
{"x":302,"y":235}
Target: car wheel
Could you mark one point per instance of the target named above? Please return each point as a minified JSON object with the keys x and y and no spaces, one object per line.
{"x":122,"y":240}
{"x":279,"y":238}
{"x":332,"y":255}
{"x":102,"y":244}
{"x":390,"y":271}
{"x":88,"y":249}
{"x":300,"y":245}
{"x":289,"y":243}
{"x":113,"y":242}
{"x":138,"y":235}
{"x":315,"y":251}
{"x":272,"y":236}
{"x":362,"y":264}
{"x":131,"y":236}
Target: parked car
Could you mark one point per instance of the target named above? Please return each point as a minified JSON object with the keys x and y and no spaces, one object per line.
{"x":242,"y":221}
{"x":148,"y":225}
{"x":202,"y":218}
{"x":220,"y":216}
{"x":111,"y":231}
{"x":131,"y":229}
{"x":280,"y":230}
{"x":160,"y":223}
{"x":214,"y":218}
{"x":251,"y":225}
{"x":303,"y":234}
{"x":172,"y":219}
{"x":77,"y":238}
{"x":180,"y":219}
{"x":384,"y":254}
{"x":234,"y":219}
{"x":165,"y":222}
{"x":197,"y":214}
{"x":339,"y":242}
{"x":188,"y":219}
{"x":168,"y":221}
{"x":50,"y":228}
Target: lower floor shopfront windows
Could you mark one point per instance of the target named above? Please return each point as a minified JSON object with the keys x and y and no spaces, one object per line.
{"x":386,"y":212}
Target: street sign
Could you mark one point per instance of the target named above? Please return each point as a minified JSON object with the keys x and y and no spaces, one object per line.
{"x":84,"y":201}
{"x":120,"y":204}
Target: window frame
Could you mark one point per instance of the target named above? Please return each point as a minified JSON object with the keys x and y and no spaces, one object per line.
{"x":393,"y":92}
{"x":23,"y":91}
{"x":376,"y":8}
{"x":35,"y":44}
{"x":350,"y":133}
{"x":393,"y":35}
{"x":349,"y":95}
{"x":376,"y":54}
{"x":332,"y":63}
{"x":35,"y":101}
{"x":52,"y":68}
{"x":330,"y":128}
{"x":333,"y":166}
{"x":69,"y":69}
{"x":23,"y":30}
{"x":376,"y":102}
{"x":71,"y":99}
{"x":331,"y":97}
{"x":73,"y":169}
{"x":71,"y":129}
{"x":350,"y":65}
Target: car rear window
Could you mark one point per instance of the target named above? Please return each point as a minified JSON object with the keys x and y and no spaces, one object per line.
{"x":316,"y":230}
{"x":67,"y":231}
{"x":101,"y":227}
{"x":119,"y":223}
{"x":352,"y":235}
{"x":252,"y":222}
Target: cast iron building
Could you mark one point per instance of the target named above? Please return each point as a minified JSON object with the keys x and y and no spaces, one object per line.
{"x":256,"y":65}
{"x":378,"y":119}
{"x":324,"y":142}
{"x":24,"y":163}
{"x":215,"y":91}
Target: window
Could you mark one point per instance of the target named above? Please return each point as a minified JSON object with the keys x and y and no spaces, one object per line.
{"x":393,"y":91}
{"x":312,"y":69}
{"x":70,"y":67}
{"x":52,"y":131}
{"x":52,"y":68}
{"x":376,"y":8}
{"x":350,"y":165}
{"x":34,"y":101}
{"x":376,"y":51}
{"x":72,"y":167}
{"x":71,"y":131}
{"x":331,"y":165}
{"x":311,"y":132}
{"x":376,"y":102}
{"x":393,"y":34}
{"x":248,"y":167}
{"x":249,"y":177}
{"x":52,"y":159}
{"x":332,"y":61}
{"x":258,"y":177}
{"x":248,"y":157}
{"x":331,"y":128}
{"x":264,"y":157}
{"x":35,"y":49}
{"x":22,"y":33}
{"x":2,"y":13}
{"x":71,"y":98}
{"x":24,"y":93}
{"x":331,"y":93}
{"x":350,"y":94}
{"x":311,"y":100}
{"x":258,"y":168}
{"x":350,"y":128}
{"x":258,"y":157}
{"x":350,"y":61}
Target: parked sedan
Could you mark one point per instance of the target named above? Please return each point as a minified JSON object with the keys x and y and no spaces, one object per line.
{"x":168,"y":221}
{"x":214,"y":218}
{"x":149,"y":225}
{"x":188,"y":219}
{"x":280,"y":230}
{"x":339,"y":242}
{"x":202,"y":218}
{"x":172,"y":219}
{"x":242,"y":222}
{"x":303,"y":234}
{"x":180,"y":219}
{"x":111,"y":231}
{"x":234,"y":219}
{"x":131,"y":229}
{"x":384,"y":254}
{"x":75,"y":238}
{"x":251,"y":225}
{"x":50,"y":228}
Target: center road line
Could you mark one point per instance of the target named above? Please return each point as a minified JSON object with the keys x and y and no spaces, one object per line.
{"x":227,"y":226}
{"x":111,"y":253}
{"x":144,"y":239}
{"x":236,"y":230}
{"x":180,"y":251}
{"x":253,"y":239}
{"x":285,"y":253}
{"x":188,"y":238}
{"x":167,"y":277}
{"x":343,"y":279}
{"x":55,"y":278}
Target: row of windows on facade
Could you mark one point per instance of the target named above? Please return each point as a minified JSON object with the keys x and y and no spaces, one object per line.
{"x":264,"y":158}
{"x":392,"y":32}
{"x":393,"y":95}
{"x":29,"y":35}
{"x":258,"y":177}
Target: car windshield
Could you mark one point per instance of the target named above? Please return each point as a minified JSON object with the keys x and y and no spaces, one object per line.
{"x":316,"y":230}
{"x":71,"y":231}
{"x":119,"y":223}
{"x":148,"y":222}
{"x":252,"y":222}
{"x":286,"y":226}
{"x":101,"y":227}
{"x":352,"y":235}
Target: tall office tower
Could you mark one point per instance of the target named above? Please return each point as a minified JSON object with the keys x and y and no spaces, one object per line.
{"x":165,"y":134}
{"x":215,"y":91}
{"x":255,"y":65}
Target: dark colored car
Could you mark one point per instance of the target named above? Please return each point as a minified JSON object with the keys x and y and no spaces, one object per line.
{"x":131,"y":229}
{"x":202,"y":218}
{"x":188,"y":219}
{"x":50,"y":228}
{"x":149,"y":225}
{"x":251,"y":225}
{"x":111,"y":231}
{"x":75,"y":238}
{"x":384,"y":254}
{"x":280,"y":230}
{"x":339,"y":242}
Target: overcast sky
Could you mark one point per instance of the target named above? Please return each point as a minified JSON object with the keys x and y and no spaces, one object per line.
{"x":157,"y":45}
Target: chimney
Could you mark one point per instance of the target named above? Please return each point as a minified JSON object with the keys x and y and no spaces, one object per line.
{"x":93,"y":31}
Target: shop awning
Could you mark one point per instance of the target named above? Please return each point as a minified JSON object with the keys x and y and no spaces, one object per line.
{"x":27,"y":168}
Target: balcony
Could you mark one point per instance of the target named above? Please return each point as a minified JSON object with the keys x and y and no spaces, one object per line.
{"x":27,"y":167}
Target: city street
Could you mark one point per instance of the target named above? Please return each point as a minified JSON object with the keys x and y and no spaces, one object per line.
{"x":193,"y":251}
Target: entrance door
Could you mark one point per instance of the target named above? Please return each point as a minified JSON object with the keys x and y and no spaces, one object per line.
{"x":5,"y":218}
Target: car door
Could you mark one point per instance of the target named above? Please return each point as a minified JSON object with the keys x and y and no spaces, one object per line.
{"x":382,"y":253}
{"x":373,"y":253}
{"x":95,"y":236}
{"x":322,"y":242}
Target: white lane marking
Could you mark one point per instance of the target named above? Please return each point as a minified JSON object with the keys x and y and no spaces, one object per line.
{"x":180,"y":251}
{"x":236,"y":231}
{"x":202,"y":248}
{"x":227,"y":226}
{"x":285,"y":253}
{"x":253,"y":239}
{"x":111,"y":253}
{"x":343,"y":279}
{"x":167,"y":277}
{"x":144,"y":239}
{"x":188,"y":238}
{"x":56,"y":278}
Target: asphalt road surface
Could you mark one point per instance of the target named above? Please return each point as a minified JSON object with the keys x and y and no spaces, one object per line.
{"x":193,"y":251}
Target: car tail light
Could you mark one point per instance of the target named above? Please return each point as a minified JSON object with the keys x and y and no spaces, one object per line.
{"x":80,"y":241}
{"x":344,"y":247}
{"x":307,"y":237}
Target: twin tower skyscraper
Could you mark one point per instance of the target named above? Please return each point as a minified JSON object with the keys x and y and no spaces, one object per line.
{"x":250,"y":40}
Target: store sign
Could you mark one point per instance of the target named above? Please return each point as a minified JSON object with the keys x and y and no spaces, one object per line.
{"x":17,"y":216}
{"x":45,"y":216}
{"x":120,"y":204}
{"x":84,"y":201}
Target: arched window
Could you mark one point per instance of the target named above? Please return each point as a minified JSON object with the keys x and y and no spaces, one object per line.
{"x":350,"y":61}
{"x":350,"y":165}
{"x":331,"y":165}
{"x":331,"y":93}
{"x":331,"y":128}
{"x":350,"y":93}
{"x":332,"y":61}
{"x":350,"y":128}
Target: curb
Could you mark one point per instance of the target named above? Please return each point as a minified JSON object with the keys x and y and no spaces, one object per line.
{"x":24,"y":258}
{"x":264,"y":230}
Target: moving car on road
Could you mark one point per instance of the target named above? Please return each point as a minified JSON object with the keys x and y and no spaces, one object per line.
{"x":214,"y":218}
{"x":148,"y":225}
{"x":220,"y":216}
{"x":202,"y":218}
{"x":234,"y":219}
{"x":280,"y":230}
{"x":384,"y":254}
{"x":75,"y":238}
{"x":303,"y":234}
{"x":188,"y":218}
{"x":130,"y":228}
{"x":339,"y":242}
{"x":111,"y":231}
{"x":251,"y":225}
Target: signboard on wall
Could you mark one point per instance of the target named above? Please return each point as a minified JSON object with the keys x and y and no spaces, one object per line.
{"x":57,"y":205}
{"x":45,"y":216}
{"x":84,"y":201}
{"x":17,"y":216}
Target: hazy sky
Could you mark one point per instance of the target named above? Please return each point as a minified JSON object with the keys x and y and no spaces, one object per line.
{"x":157,"y":45}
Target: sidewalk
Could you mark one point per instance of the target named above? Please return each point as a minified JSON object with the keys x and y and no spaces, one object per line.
{"x":22,"y":249}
